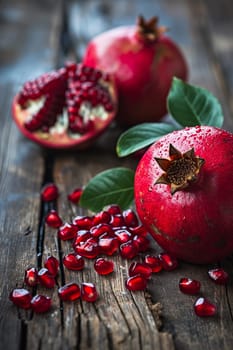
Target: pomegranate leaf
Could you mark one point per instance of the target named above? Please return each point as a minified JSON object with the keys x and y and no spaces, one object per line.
{"x":191,"y":105}
{"x":112,"y":186}
{"x":141,"y":136}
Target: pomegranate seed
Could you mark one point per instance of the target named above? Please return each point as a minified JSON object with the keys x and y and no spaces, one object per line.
{"x":67,"y":232}
{"x":219,"y":276}
{"x":88,"y":249}
{"x":128,"y":250}
{"x":100,"y":229}
{"x":102,"y":217}
{"x":88,"y":292}
{"x":137,"y":268}
{"x":154,"y":262}
{"x":114,"y":209}
{"x":141,"y":242}
{"x":40,"y":303}
{"x":204,"y":308}
{"x":45,"y":278}
{"x":130,"y":218}
{"x":83,"y":222}
{"x":123,"y":235}
{"x":53,"y":219}
{"x":138,"y":230}
{"x":52,"y":265}
{"x":103,"y":266}
{"x":73,"y":262}
{"x":136,"y":282}
{"x":108,"y":245}
{"x":117,"y":220}
{"x":69,"y":292}
{"x":168,"y":262}
{"x":75,"y":196}
{"x":82,"y":236}
{"x":189,"y":286}
{"x":31,"y":277}
{"x":21,"y":298}
{"x":49,"y":192}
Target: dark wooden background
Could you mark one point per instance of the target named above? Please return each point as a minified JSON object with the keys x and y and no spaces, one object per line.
{"x":36,"y":36}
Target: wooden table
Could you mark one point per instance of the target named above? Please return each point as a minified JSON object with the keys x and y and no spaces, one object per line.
{"x":35,"y":37}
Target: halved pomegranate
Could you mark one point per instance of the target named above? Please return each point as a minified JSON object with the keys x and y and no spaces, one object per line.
{"x":66,"y":108}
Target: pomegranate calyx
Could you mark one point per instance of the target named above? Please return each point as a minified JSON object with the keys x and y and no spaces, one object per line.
{"x":180,"y":169}
{"x":149,"y":29}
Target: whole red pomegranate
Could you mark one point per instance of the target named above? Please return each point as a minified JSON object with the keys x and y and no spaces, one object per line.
{"x":184,"y":193}
{"x":143,"y":61}
{"x":66,"y":108}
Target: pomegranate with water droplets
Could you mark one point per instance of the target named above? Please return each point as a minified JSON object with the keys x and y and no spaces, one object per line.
{"x":41,"y":303}
{"x":189,"y":286}
{"x":143,"y":61}
{"x":184,"y":193}
{"x":66,"y":108}
{"x":204,"y":308}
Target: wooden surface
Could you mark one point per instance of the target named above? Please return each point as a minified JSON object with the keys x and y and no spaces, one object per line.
{"x":37,"y":36}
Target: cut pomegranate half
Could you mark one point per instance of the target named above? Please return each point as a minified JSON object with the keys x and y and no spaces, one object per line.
{"x":66,"y":108}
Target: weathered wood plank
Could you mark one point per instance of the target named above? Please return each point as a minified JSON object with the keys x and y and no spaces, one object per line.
{"x":26,"y":52}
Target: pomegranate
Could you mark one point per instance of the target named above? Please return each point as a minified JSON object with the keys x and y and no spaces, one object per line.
{"x":184,"y":193}
{"x":143,"y":61}
{"x":66,"y":108}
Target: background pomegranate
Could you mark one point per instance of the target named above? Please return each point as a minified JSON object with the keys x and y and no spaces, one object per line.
{"x":195,"y":223}
{"x":66,"y":108}
{"x":143,"y":61}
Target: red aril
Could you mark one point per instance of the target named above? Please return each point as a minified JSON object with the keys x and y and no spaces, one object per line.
{"x":218,"y":275}
{"x":69,"y":292}
{"x":21,"y":298}
{"x":103,"y":266}
{"x":136,"y":283}
{"x":82,"y":236}
{"x":204,"y":308}
{"x":128,"y":250}
{"x":130,"y":218}
{"x":117,"y":220}
{"x":66,"y":108}
{"x":31,"y":277}
{"x":89,"y":292}
{"x":41,"y":303}
{"x":52,"y":265}
{"x":73,"y":261}
{"x":154,"y":262}
{"x":83,"y":222}
{"x":53,"y":220}
{"x":184,"y":194}
{"x":143,"y":61}
{"x":108,"y":245}
{"x":100,"y":229}
{"x":103,"y":217}
{"x":189,"y":286}
{"x":113,"y":209}
{"x":75,"y":195}
{"x":123,"y":235}
{"x":89,"y":249}
{"x":49,"y":192}
{"x":67,"y":232}
{"x":168,"y":262}
{"x":141,"y":242}
{"x":45,"y":278}
{"x":137,"y":268}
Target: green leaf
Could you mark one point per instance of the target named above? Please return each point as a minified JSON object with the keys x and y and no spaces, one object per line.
{"x":113,"y":186}
{"x":141,"y":136}
{"x":191,"y":105}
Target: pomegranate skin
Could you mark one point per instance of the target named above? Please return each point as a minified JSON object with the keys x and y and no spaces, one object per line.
{"x":194,"y":224}
{"x":143,"y":71}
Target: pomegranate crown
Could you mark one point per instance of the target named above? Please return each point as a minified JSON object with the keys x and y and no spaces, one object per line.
{"x":149,"y":29}
{"x":180,"y":170}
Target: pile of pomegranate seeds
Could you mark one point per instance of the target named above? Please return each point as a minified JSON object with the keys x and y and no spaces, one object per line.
{"x":99,"y":237}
